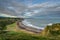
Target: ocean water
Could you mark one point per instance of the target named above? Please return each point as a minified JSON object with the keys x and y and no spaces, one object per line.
{"x":40,"y":22}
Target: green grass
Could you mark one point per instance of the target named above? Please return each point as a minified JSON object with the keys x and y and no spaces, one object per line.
{"x":24,"y":36}
{"x":20,"y":36}
{"x":12,"y":25}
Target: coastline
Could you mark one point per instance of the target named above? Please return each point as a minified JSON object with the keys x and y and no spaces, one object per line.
{"x":28,"y":28}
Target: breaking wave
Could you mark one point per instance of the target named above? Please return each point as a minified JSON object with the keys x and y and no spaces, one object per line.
{"x":25,"y":22}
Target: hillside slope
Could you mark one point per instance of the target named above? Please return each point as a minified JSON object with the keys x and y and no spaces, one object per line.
{"x":52,"y":30}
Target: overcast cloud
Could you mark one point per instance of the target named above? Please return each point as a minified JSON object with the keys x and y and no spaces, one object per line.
{"x":12,"y":7}
{"x":15,"y":8}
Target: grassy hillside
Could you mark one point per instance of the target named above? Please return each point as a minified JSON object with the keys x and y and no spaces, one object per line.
{"x":18,"y":34}
{"x":13,"y":32}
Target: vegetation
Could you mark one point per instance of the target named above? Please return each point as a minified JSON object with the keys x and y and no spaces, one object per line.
{"x":4,"y":22}
{"x":51,"y":32}
{"x":20,"y":36}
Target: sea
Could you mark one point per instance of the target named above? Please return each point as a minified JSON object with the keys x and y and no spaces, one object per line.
{"x":40,"y":22}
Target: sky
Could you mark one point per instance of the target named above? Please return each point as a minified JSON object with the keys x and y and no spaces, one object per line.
{"x":41,"y":11}
{"x":30,"y":8}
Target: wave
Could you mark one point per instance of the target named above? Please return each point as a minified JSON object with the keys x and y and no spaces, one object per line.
{"x":25,"y":22}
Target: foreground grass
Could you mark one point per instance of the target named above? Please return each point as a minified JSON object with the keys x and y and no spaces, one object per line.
{"x":23,"y":36}
{"x":19,"y":34}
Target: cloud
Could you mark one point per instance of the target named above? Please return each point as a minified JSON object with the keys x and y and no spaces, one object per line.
{"x":45,"y":9}
{"x":5,"y":15}
{"x":12,"y":7}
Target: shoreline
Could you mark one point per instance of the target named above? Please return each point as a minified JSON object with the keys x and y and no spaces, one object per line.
{"x":28,"y":28}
